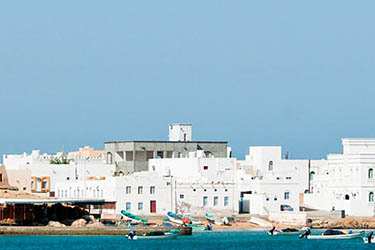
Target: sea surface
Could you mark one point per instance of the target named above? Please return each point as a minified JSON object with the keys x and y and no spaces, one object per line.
{"x":198,"y":241}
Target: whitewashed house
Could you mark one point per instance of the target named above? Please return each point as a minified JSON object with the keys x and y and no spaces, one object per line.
{"x":347,"y":181}
{"x":37,"y":173}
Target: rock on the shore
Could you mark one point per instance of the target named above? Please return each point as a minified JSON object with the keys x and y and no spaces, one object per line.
{"x":55,"y":224}
{"x":79,"y":223}
{"x":95,"y":224}
{"x":345,"y":223}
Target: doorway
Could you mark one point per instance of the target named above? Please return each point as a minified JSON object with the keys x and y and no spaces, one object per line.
{"x":153,"y":207}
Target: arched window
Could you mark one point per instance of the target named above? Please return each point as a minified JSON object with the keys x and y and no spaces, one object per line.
{"x":312,"y":173}
{"x":347,"y":197}
{"x":109,"y":158}
{"x":370,"y":173}
{"x":371,"y":197}
{"x":270,"y":166}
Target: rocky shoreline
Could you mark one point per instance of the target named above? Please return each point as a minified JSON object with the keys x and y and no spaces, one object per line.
{"x":345,"y":223}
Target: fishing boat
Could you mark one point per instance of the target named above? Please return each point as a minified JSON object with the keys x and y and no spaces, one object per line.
{"x":173,"y":217}
{"x":153,"y":235}
{"x":285,"y":231}
{"x":192,"y":220}
{"x":211,"y":218}
{"x":365,"y":240}
{"x":197,"y":228}
{"x":334,"y":235}
{"x":132,"y":216}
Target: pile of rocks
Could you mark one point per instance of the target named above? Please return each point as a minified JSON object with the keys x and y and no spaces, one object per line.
{"x":87,"y":221}
{"x":345,"y":223}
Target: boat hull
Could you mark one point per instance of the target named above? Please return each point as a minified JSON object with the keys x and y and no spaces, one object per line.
{"x":335,"y":237}
{"x":157,"y":237}
{"x":365,"y":240}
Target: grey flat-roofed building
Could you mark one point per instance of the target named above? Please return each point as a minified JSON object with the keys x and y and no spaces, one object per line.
{"x":133,"y":156}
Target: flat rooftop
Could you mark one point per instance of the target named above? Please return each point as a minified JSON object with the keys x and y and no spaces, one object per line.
{"x":167,"y":142}
{"x":41,"y":201}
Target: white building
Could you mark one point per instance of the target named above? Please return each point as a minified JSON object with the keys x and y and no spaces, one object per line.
{"x":38,"y":173}
{"x":180,"y":132}
{"x":347,"y":181}
{"x":268,"y":183}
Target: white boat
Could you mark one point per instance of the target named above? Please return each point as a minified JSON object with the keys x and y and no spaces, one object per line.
{"x":335,"y":237}
{"x":152,"y":237}
{"x":286,"y":231}
{"x":365,"y":240}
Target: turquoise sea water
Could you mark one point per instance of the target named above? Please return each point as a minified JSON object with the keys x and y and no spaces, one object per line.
{"x":198,"y":241}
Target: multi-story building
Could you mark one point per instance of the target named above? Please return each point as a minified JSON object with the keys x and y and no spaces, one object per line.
{"x":346,"y":181}
{"x":133,"y":156}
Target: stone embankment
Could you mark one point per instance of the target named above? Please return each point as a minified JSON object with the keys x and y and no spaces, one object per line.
{"x":345,"y":223}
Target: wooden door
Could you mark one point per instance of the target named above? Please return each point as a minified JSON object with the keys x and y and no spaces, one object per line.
{"x":152,"y":206}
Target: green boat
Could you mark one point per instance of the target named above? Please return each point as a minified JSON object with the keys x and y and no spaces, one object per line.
{"x":132,"y":216}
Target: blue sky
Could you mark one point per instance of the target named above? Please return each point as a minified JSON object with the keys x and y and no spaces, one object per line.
{"x":294,"y":73}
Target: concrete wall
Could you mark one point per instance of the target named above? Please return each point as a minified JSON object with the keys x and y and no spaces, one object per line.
{"x":114,"y":151}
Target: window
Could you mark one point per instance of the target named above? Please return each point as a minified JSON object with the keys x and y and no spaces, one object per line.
{"x":152,"y":190}
{"x":312,"y":173}
{"x":128,"y":206}
{"x":129,"y":156}
{"x":140,"y":206}
{"x":159,"y":154}
{"x":128,"y":190}
{"x":205,"y":167}
{"x":101,"y":193}
{"x":168,"y":183}
{"x":270,"y":166}
{"x":347,"y":197}
{"x":205,"y":199}
{"x":288,"y":178}
{"x":216,"y":200}
{"x":226,"y":201}
{"x":1,"y":177}
{"x":44,"y":184}
{"x":140,"y":190}
{"x":286,"y":195}
{"x":370,"y":173}
{"x":371,"y":197}
{"x":109,"y":158}
{"x":66,"y":193}
{"x":182,"y":196}
{"x":58,"y":193}
{"x":32,"y":184}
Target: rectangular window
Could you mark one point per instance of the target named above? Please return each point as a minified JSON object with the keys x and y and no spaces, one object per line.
{"x":168,"y":183}
{"x":129,"y":156}
{"x":286,"y":195}
{"x":140,"y":190}
{"x":128,"y":206}
{"x":205,"y":199}
{"x":169,"y":154}
{"x":128,"y":189}
{"x":149,"y":155}
{"x":226,"y":201}
{"x":216,"y":200}
{"x":182,"y":196}
{"x":1,"y":177}
{"x":152,"y":190}
{"x":205,"y":167}
{"x":159,"y":154}
{"x":140,"y":206}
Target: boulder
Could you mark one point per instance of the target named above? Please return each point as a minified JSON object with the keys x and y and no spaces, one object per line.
{"x":95,"y":224}
{"x":55,"y":224}
{"x":79,"y":223}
